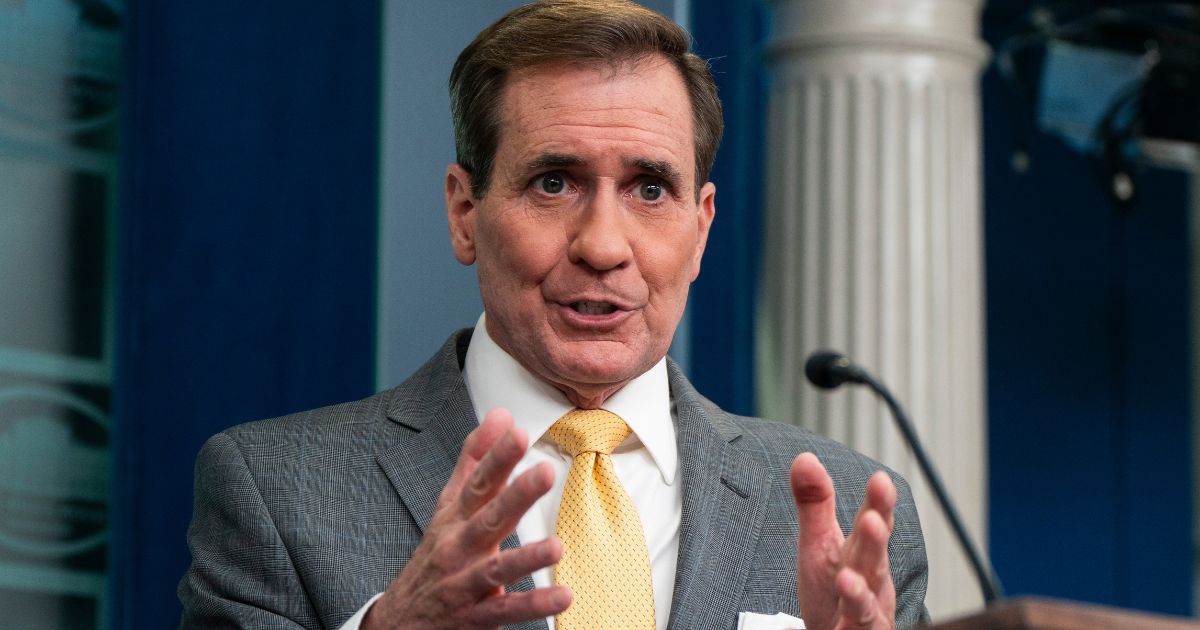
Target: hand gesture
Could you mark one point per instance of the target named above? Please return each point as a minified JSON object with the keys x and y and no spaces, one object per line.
{"x":843,"y":582}
{"x":457,"y":574}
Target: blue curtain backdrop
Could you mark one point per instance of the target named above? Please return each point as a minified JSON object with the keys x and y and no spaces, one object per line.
{"x":730,"y":34}
{"x":246,"y":249}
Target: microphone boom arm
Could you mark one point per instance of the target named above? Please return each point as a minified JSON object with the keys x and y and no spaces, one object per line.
{"x":988,"y":581}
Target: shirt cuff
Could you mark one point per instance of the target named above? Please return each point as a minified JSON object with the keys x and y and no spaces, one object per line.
{"x":354,"y":622}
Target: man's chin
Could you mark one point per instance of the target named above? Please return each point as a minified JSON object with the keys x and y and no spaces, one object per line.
{"x":585,"y":371}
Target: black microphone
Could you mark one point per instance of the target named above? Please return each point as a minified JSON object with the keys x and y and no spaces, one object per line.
{"x":827,"y":370}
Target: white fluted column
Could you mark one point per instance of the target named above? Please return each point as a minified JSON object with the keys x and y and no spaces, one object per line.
{"x":873,"y":238}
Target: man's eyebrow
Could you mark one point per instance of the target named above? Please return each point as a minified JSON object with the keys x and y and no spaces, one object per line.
{"x":553,"y":160}
{"x":661,"y":168}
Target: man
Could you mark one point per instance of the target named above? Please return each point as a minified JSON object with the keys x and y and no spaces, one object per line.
{"x":585,"y":135}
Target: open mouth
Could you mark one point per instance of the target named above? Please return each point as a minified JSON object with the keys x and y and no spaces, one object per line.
{"x":593,"y":308}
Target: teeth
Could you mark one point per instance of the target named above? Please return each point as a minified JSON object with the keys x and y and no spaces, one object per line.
{"x":594,"y":308}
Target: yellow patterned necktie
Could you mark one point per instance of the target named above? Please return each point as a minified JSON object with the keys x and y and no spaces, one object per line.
{"x":604,"y":561}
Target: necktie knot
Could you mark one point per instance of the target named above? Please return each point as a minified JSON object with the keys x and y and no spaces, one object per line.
{"x":605,"y":561}
{"x":589,"y":431}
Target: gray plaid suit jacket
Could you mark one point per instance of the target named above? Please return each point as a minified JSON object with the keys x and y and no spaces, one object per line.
{"x":300,"y":520}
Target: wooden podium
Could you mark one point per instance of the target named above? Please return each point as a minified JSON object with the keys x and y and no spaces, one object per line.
{"x":1027,"y":613}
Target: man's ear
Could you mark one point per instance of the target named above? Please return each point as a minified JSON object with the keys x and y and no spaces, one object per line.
{"x":705,"y":211}
{"x":460,"y":213}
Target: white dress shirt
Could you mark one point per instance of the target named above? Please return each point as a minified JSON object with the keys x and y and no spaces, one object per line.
{"x":647,"y":462}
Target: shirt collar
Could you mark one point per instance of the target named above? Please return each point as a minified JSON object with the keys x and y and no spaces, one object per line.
{"x":495,"y":379}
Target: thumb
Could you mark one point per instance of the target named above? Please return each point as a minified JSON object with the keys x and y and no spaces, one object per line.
{"x":813,"y":492}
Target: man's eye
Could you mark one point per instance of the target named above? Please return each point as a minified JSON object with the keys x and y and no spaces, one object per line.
{"x":551,"y":183}
{"x":650,"y":190}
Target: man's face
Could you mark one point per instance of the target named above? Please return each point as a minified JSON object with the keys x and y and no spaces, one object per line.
{"x":591,"y":230}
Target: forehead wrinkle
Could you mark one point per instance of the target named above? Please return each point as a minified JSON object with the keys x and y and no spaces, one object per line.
{"x":536,"y":129}
{"x":667,"y":154}
{"x":543,"y":117}
{"x":528,"y":108}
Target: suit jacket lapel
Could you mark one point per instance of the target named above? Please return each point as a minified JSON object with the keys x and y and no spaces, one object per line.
{"x":434,"y":409}
{"x":724,"y":505}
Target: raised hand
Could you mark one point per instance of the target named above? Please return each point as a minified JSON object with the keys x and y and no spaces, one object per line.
{"x":457,"y":574}
{"x":843,"y":582}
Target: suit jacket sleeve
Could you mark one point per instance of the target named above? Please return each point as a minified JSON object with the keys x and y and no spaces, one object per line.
{"x":242,"y":575}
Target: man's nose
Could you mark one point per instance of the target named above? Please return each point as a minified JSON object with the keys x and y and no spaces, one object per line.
{"x":601,"y":239}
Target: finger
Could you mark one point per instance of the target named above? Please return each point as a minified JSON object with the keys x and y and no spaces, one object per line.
{"x":510,"y":565}
{"x":857,"y":605}
{"x":490,"y":476}
{"x":812,"y":490}
{"x":522,"y":606}
{"x":495,"y":424}
{"x":867,"y":544}
{"x":880,"y":496}
{"x":499,"y":517}
{"x":866,"y":549}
